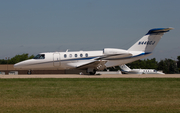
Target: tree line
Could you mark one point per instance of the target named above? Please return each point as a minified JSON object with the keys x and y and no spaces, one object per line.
{"x":168,"y":66}
{"x":16,"y":59}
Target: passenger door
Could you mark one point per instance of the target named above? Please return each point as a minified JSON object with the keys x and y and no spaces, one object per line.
{"x":56,"y":59}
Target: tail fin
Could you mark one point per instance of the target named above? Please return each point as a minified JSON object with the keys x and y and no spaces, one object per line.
{"x":125,"y":68}
{"x":148,"y":42}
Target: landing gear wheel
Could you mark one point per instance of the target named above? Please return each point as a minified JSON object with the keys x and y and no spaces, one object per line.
{"x":92,"y":73}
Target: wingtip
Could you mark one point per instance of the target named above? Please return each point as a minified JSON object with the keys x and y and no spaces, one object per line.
{"x":171,"y":28}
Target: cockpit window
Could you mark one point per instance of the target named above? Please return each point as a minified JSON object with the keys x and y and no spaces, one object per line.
{"x":40,"y":56}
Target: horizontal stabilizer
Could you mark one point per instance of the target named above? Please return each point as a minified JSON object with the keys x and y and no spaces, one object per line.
{"x":159,"y":30}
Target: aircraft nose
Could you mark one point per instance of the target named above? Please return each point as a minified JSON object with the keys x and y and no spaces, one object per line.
{"x":23,"y":64}
{"x":17,"y":65}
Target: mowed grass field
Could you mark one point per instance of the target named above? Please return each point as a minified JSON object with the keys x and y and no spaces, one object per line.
{"x":76,"y":95}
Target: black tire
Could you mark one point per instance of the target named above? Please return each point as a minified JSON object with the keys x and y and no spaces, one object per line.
{"x":92,"y":73}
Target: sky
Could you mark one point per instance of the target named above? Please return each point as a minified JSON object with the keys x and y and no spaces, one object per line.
{"x":35,"y":26}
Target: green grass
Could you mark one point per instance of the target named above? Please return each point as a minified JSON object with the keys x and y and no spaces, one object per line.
{"x":152,"y":95}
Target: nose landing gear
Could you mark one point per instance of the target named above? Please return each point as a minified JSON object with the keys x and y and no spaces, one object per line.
{"x":29,"y":72}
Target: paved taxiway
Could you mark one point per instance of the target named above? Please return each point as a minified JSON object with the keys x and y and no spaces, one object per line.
{"x":92,"y":76}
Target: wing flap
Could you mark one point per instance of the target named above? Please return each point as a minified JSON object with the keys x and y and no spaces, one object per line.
{"x":99,"y":65}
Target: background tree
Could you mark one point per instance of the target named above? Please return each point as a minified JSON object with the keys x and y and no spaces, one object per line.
{"x":162,"y":66}
{"x":144,"y":64}
{"x":178,"y":63}
{"x":168,"y":66}
{"x":16,"y":59}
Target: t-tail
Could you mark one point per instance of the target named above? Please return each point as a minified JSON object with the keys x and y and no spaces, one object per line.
{"x":148,"y":42}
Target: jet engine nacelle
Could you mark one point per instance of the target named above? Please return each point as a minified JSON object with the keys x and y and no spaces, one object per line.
{"x":114,"y":54}
{"x":109,"y":51}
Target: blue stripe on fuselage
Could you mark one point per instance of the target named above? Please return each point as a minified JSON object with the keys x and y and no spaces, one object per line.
{"x":142,"y":54}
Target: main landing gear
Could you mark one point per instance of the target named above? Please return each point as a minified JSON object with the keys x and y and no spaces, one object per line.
{"x":29,"y":72}
{"x":91,"y":71}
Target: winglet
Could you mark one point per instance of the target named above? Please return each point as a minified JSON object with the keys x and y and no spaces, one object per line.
{"x":159,"y":30}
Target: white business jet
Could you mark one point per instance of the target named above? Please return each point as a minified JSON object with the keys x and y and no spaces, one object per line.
{"x":95,"y":60}
{"x":127,"y":70}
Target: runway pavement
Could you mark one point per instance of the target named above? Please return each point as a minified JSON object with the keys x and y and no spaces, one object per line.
{"x":92,"y":76}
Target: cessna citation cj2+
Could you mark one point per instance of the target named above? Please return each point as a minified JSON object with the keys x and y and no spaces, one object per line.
{"x":96,"y":60}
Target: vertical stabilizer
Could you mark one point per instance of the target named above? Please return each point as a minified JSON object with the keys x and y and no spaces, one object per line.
{"x":148,"y":42}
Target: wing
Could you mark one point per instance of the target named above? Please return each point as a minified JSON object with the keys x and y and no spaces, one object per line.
{"x":98,"y":63}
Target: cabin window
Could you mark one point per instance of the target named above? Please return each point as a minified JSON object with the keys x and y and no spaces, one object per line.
{"x":75,"y":55}
{"x":86,"y":55}
{"x":81,"y":55}
{"x":65,"y":55}
{"x":39,"y":56}
{"x":70,"y":55}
